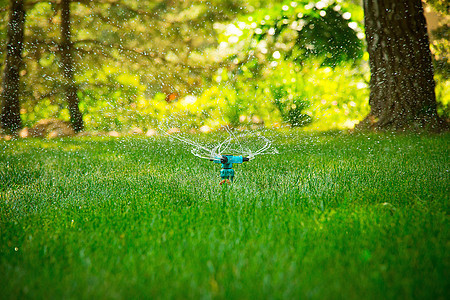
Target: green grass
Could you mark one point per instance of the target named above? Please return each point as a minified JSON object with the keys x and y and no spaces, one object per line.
{"x":334,"y":216}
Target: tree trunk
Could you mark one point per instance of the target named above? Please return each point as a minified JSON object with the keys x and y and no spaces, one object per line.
{"x":76,"y":119}
{"x":402,"y":86}
{"x":10,"y":119}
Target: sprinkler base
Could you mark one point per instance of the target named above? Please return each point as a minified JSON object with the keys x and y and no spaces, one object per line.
{"x":227,"y":181}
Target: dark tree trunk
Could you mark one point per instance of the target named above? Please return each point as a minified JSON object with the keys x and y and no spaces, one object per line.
{"x":10,"y":112}
{"x":76,"y":119}
{"x":402,"y":87}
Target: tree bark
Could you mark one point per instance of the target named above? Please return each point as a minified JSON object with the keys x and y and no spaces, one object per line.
{"x":76,"y":118}
{"x":402,"y":95}
{"x":10,"y":119}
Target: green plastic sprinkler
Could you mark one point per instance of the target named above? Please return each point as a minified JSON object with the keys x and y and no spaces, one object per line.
{"x":227,"y":161}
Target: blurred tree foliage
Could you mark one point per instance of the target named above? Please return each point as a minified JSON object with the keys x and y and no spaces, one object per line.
{"x":442,"y":6}
{"x":160,"y":41}
{"x":207,"y":62}
{"x":440,"y":48}
{"x":301,"y":32}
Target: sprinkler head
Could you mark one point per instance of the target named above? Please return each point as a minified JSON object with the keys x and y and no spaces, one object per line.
{"x":227,"y":161}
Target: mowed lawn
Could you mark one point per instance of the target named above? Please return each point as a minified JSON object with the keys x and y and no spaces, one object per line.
{"x":333,"y":216}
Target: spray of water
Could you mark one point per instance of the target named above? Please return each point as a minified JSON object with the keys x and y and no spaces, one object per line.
{"x":248,"y":144}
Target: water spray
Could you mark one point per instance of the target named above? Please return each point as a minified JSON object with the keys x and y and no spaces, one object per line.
{"x":237,"y":148}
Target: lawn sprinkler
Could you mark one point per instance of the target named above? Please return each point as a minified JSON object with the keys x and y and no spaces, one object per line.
{"x":227,"y":161}
{"x":239,"y":146}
